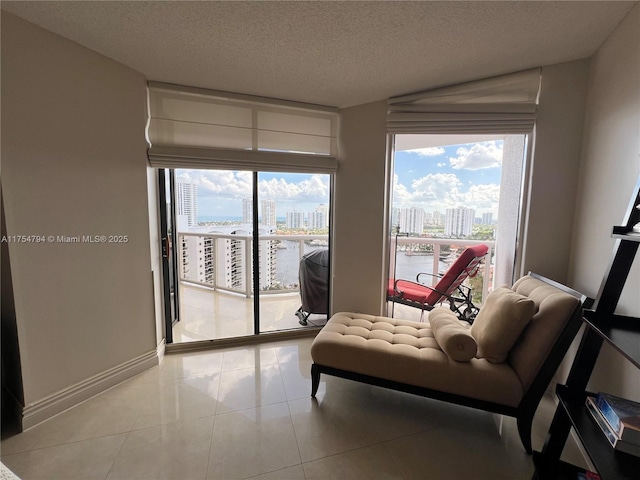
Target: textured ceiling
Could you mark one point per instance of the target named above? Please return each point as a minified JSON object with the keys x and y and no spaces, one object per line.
{"x":330,"y":53}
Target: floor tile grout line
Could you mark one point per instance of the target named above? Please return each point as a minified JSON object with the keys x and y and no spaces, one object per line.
{"x":393,"y":458}
{"x":117,"y":455}
{"x":213,"y":426}
{"x":295,"y":435}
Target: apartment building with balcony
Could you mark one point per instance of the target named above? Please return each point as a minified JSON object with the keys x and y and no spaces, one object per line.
{"x":211,"y":256}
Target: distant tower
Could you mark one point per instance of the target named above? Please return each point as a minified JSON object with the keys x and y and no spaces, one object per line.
{"x":295,"y":219}
{"x":187,"y":200}
{"x":459,"y":221}
{"x":269,"y":213}
{"x":412,"y":220}
{"x":247,"y":210}
{"x":317,"y":220}
{"x":325,"y":211}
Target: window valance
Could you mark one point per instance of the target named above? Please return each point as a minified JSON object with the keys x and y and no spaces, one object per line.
{"x":505,"y":104}
{"x":191,"y":126}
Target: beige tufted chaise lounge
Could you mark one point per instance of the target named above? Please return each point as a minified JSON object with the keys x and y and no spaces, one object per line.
{"x":407,"y":356}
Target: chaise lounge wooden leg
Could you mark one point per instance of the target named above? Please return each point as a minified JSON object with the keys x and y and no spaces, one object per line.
{"x":315,"y":380}
{"x":524,"y":430}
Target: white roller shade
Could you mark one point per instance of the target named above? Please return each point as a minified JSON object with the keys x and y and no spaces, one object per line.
{"x":189,"y":126}
{"x":505,"y":104}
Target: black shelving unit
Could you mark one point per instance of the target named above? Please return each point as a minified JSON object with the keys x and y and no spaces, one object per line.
{"x":621,"y":332}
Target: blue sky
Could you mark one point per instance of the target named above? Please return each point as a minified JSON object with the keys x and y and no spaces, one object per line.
{"x":434,"y":178}
{"x":437,"y":178}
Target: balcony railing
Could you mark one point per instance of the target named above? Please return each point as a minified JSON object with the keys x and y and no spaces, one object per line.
{"x":235,"y":275}
{"x":235,"y":251}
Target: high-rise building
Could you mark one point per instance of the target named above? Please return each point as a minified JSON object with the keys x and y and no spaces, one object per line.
{"x":295,"y":219}
{"x":395,"y":219}
{"x":197,"y":259}
{"x":247,"y":211}
{"x":268,"y":213}
{"x":316,"y":220}
{"x":458,"y":222}
{"x":487,"y":218}
{"x":325,"y":210}
{"x":187,"y":200}
{"x":411,"y":220}
{"x":222,"y":262}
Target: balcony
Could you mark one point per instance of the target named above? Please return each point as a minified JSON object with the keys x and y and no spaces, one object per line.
{"x":220,"y":304}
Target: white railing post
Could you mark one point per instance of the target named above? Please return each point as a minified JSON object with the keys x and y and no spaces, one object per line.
{"x":487,"y":272}
{"x":248,"y":242}
{"x":300,"y":250}
{"x":435,"y":269}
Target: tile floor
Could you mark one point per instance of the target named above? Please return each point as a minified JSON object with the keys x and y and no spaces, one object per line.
{"x":206,"y":314}
{"x":245,"y":412}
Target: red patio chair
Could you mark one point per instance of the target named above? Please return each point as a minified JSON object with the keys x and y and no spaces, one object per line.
{"x":449,"y":288}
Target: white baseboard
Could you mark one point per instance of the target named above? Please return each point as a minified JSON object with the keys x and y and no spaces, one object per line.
{"x":52,"y":405}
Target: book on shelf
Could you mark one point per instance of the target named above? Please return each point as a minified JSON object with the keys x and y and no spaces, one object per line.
{"x":611,"y":436}
{"x":588,"y":476}
{"x":623,"y":415}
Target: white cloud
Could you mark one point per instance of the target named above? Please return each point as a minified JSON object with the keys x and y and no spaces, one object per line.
{"x":229,"y":184}
{"x":479,"y":156}
{"x":482,"y":197}
{"x":223,"y":182}
{"x":278,"y":188}
{"x":428,"y":151}
{"x":442,"y":191}
{"x":401,"y":194}
{"x":314,"y":188}
{"x":438,"y":187}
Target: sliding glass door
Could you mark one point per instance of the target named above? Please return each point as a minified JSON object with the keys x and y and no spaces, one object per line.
{"x":241,"y":232}
{"x":293,"y":249}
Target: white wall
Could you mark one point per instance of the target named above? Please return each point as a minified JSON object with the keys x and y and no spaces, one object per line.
{"x":609,"y":169}
{"x":554,"y":176}
{"x":74,"y":163}
{"x":358,"y":249}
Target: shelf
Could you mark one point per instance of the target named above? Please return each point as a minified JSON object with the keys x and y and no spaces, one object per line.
{"x":624,"y":233}
{"x":622,"y":332}
{"x":562,"y":471}
{"x":610,"y":463}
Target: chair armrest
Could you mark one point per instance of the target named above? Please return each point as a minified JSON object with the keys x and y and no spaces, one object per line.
{"x":425,"y":273}
{"x":421,"y":285}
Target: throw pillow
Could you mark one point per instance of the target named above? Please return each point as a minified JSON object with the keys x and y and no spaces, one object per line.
{"x":499,"y":323}
{"x":452,"y":337}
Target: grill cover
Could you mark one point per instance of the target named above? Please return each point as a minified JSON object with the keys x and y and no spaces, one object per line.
{"x":314,"y":281}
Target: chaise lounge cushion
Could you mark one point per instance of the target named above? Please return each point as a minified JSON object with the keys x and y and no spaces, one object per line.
{"x":453,"y":337}
{"x":501,"y":320}
{"x":406,"y":352}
